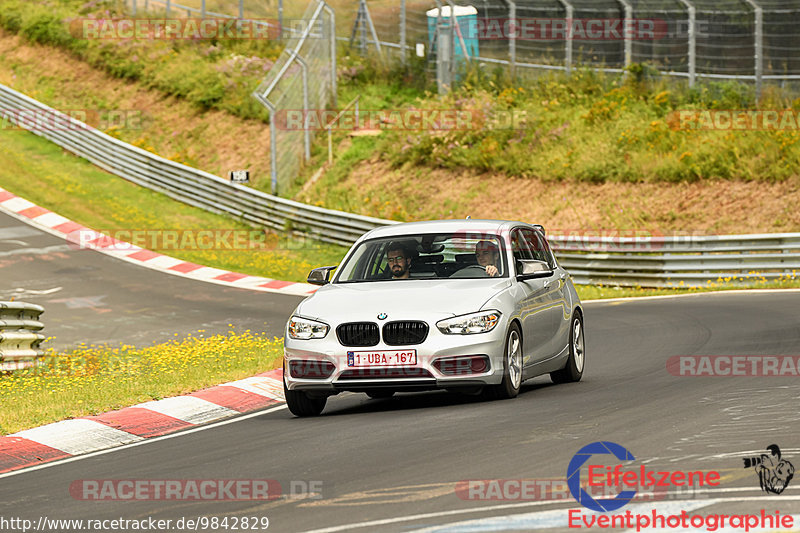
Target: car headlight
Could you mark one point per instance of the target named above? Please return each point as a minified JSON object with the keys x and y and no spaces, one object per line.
{"x":472,"y":323}
{"x":304,"y":328}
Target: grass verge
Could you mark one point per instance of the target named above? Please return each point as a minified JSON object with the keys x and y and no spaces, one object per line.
{"x":93,"y":380}
{"x":43,"y":173}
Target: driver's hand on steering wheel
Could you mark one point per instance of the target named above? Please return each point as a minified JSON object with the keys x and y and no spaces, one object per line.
{"x":492,"y":270}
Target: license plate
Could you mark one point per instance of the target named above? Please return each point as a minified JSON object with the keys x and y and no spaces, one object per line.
{"x":382,"y":358}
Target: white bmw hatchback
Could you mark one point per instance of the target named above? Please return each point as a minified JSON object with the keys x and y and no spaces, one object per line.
{"x":464,"y":305}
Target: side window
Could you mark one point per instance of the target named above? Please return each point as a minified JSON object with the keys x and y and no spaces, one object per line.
{"x":536,"y":245}
{"x":551,"y":258}
{"x":519,"y":247}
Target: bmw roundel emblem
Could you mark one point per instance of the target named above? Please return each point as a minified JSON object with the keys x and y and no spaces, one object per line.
{"x":382,"y":316}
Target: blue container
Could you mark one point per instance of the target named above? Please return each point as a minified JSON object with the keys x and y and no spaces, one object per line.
{"x":467,"y":18}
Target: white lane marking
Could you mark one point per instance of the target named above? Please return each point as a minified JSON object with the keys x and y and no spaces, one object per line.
{"x":189,"y":409}
{"x":556,"y":518}
{"x":50,"y":219}
{"x":43,"y":291}
{"x":163,"y":262}
{"x":17,"y":204}
{"x":77,"y":436}
{"x":18,"y":232}
{"x":298,"y":289}
{"x":141,"y":442}
{"x":261,"y":385}
{"x":455,"y":512}
{"x":205,"y":273}
{"x":38,"y":251}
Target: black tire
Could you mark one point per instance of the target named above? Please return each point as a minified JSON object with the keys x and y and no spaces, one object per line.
{"x":380,"y":394}
{"x":573,"y":370}
{"x":509,"y":387}
{"x":300,"y":404}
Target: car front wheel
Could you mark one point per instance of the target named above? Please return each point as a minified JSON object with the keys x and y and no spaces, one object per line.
{"x":300,"y":404}
{"x":573,"y":370}
{"x":512,"y":367}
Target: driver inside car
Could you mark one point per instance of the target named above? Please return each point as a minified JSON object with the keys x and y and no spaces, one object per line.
{"x":488,"y":256}
{"x":398,"y":260}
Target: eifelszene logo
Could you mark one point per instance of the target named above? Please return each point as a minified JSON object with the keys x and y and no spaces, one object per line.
{"x":626,"y":479}
{"x":774,"y":473}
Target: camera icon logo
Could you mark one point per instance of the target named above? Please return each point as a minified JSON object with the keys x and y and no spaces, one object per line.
{"x":774,"y":472}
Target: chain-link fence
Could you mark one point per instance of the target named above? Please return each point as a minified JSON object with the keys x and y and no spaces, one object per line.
{"x":303,"y":78}
{"x":748,"y":40}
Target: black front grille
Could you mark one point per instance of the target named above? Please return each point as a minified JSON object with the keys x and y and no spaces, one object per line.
{"x":358,"y":334}
{"x":405,"y":332}
{"x":385,"y":373}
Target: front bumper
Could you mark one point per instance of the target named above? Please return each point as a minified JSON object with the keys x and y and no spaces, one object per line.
{"x":421,"y":376}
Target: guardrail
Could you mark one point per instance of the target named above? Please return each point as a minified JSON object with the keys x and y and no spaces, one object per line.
{"x":19,"y":335}
{"x":657,"y":261}
{"x":679,"y":261}
{"x":181,"y":182}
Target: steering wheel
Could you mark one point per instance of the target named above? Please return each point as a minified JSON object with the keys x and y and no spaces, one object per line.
{"x":470,"y":271}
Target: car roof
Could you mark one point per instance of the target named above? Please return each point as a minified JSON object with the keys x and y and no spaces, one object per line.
{"x":444,"y":226}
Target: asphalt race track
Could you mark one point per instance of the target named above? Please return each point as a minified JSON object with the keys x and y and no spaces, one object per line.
{"x":397,"y":461}
{"x":91,"y":297}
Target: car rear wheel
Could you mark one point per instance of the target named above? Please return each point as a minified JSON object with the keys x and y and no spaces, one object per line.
{"x":300,"y":404}
{"x":573,"y":370}
{"x":512,"y":367}
{"x":379,"y":394}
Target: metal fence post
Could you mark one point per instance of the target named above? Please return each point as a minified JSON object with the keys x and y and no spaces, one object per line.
{"x":444,"y":40}
{"x":368,"y":19}
{"x":241,"y":9}
{"x":203,"y":9}
{"x":332,"y":44}
{"x":759,"y":45}
{"x":280,"y":20}
{"x":457,"y":31}
{"x":306,"y":114}
{"x":403,"y":31}
{"x":569,"y":12}
{"x":626,"y":28}
{"x":451,"y":43}
{"x":692,"y":29}
{"x":169,"y":5}
{"x":362,"y":9}
{"x":512,"y":39}
{"x":273,"y":147}
{"x":133,"y":7}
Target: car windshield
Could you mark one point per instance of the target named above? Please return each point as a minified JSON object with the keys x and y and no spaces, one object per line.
{"x":426,"y":256}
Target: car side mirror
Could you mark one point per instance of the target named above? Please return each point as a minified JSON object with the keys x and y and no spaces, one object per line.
{"x":321,"y":275}
{"x":532,"y":268}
